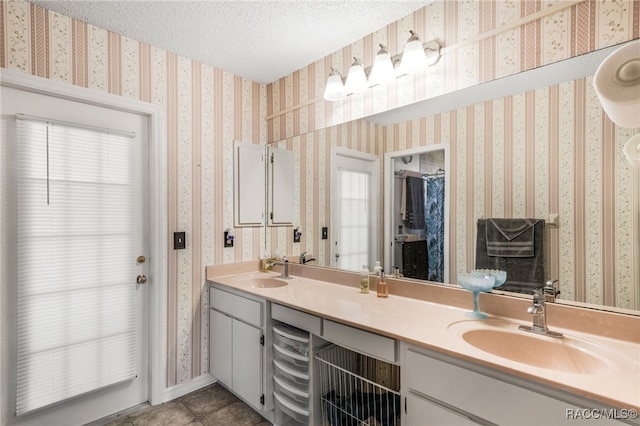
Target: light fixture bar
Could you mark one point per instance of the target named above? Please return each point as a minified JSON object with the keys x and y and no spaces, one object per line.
{"x":379,"y":73}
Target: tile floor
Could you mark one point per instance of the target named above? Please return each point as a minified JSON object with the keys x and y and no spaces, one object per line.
{"x":209,"y":406}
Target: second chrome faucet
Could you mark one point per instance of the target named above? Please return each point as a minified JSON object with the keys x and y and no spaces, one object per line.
{"x":538,"y":309}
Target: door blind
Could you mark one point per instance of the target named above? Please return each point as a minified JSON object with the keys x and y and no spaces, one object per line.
{"x":76,"y":262}
{"x":354,"y":219}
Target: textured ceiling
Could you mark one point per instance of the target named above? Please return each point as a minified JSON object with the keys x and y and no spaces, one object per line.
{"x":260,"y":40}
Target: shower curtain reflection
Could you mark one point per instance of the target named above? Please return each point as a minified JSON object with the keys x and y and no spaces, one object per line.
{"x":434,"y":219}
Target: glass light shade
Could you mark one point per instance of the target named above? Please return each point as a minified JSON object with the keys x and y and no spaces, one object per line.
{"x":334,"y":89}
{"x":413,"y":57}
{"x":356,"y":78}
{"x":382,"y":71}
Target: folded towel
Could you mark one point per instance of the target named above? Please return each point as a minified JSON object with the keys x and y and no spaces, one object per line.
{"x":415,"y":203}
{"x":523,"y":273}
{"x":510,"y":237}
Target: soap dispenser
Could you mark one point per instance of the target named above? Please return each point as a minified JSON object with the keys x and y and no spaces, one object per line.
{"x":364,"y":279}
{"x":383,"y":287}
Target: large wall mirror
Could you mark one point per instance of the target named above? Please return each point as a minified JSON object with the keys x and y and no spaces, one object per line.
{"x":536,"y":144}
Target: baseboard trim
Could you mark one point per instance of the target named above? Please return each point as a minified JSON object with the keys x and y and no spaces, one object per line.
{"x":187,"y":387}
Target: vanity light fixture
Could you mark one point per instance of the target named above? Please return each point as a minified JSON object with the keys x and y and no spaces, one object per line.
{"x":385,"y":68}
{"x":617,"y":84}
{"x":382,"y":71}
{"x":413,"y":57}
{"x":334,"y":90}
{"x":356,"y":78}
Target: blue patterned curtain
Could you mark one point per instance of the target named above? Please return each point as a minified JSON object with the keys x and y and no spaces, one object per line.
{"x":434,"y":218}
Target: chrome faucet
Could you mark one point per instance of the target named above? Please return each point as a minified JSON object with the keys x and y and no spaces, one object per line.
{"x":285,"y":268}
{"x":303,"y":258}
{"x":538,"y":309}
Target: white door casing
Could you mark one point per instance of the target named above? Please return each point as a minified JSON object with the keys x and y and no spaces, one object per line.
{"x":153,"y":327}
{"x":359,"y":162}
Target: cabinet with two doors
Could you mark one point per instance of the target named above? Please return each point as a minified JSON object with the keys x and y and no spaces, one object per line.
{"x":237,"y":342}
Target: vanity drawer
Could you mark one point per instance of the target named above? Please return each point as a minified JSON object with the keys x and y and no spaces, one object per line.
{"x":380,"y":347}
{"x":481,"y":396}
{"x":297,"y":318}
{"x":244,"y":309}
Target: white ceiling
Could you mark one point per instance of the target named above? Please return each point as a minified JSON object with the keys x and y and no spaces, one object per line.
{"x":260,"y":40}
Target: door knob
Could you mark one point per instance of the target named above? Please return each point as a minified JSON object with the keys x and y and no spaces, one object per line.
{"x":141,"y":279}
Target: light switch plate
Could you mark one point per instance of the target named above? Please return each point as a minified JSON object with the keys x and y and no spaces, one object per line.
{"x":179,"y":241}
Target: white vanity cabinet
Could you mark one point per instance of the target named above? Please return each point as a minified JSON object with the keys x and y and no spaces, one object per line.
{"x":237,"y":339}
{"x":441,"y":390}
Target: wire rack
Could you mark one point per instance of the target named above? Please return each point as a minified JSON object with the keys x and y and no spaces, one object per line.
{"x":357,"y":390}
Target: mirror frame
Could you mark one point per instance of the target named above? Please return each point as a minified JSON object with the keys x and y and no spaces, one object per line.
{"x":388,"y":239}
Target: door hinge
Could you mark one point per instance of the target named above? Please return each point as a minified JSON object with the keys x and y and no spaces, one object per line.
{"x":271,"y":158}
{"x":405,"y":405}
{"x":262,"y":340}
{"x":262,"y":399}
{"x":271,"y":215}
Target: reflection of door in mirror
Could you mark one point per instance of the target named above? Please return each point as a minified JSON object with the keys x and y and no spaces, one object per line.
{"x":417,"y":214}
{"x":355,"y":215}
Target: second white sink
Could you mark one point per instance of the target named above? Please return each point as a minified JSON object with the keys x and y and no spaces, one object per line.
{"x":568,"y":355}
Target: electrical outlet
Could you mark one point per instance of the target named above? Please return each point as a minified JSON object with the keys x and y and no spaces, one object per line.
{"x":179,"y":241}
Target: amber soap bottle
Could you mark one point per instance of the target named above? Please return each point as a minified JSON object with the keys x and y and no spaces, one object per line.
{"x":382,"y":287}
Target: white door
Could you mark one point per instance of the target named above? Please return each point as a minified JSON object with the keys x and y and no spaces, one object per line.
{"x":89,"y":398}
{"x":355,"y":211}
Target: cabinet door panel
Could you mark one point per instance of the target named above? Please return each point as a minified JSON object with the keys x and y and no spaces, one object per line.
{"x":220,"y":338}
{"x":422,"y":412}
{"x":281,"y":180}
{"x":247,"y":362}
{"x":248,"y":184}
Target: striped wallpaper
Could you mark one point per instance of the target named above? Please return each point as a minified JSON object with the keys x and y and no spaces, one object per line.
{"x":296,"y":105}
{"x":313,"y":158}
{"x":551,"y":150}
{"x":207,"y":108}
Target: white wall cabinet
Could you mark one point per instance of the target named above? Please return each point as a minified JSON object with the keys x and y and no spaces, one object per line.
{"x":438,"y":390}
{"x":281,"y":187}
{"x":248,"y":184}
{"x":258,"y":172}
{"x":237,"y":339}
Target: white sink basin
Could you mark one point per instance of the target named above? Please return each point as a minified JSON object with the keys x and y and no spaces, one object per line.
{"x":266,"y":282}
{"x":567,"y":355}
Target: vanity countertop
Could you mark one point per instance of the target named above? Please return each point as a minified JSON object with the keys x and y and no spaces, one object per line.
{"x":429,"y":325}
